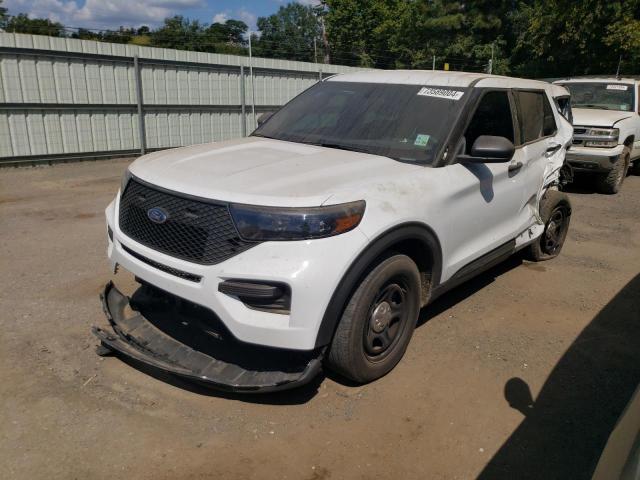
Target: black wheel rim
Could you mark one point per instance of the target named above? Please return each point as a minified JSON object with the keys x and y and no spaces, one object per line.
{"x":386,"y":320}
{"x":554,"y":231}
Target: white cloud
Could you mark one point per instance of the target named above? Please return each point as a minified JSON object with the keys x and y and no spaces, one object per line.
{"x":247,"y":17}
{"x":221,"y":17}
{"x":102,"y":13}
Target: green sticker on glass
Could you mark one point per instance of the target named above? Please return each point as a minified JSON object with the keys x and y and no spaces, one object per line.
{"x":422,"y":140}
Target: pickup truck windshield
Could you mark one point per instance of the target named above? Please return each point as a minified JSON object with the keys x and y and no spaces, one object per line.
{"x":403,"y":122}
{"x":602,"y":96}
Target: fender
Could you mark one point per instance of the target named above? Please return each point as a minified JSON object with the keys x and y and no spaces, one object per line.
{"x":365,"y":261}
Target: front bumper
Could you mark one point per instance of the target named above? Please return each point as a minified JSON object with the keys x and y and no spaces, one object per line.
{"x":192,"y":347}
{"x":590,"y":159}
{"x":311,"y":268}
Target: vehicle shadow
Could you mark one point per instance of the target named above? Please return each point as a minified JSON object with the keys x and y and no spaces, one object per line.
{"x":566,"y":428}
{"x":583,"y":184}
{"x":467,"y":289}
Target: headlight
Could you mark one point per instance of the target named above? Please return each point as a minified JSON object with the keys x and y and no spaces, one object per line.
{"x":284,"y":223}
{"x":604,"y":132}
{"x":609,"y":137}
{"x":125,"y":180}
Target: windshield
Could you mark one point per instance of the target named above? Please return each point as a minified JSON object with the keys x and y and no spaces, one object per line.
{"x":604,"y":96}
{"x":403,"y":122}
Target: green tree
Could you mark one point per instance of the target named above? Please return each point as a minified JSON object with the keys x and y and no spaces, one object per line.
{"x":180,"y":33}
{"x":21,"y":23}
{"x":231,"y":31}
{"x":359,"y":32}
{"x":3,"y":15}
{"x":227,"y":37}
{"x":293,"y":33}
{"x":556,"y":38}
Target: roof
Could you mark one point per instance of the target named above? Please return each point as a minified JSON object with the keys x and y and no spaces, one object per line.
{"x":602,"y":79}
{"x":437,"y":78}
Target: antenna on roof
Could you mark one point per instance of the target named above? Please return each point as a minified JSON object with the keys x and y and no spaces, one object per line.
{"x":618,"y":71}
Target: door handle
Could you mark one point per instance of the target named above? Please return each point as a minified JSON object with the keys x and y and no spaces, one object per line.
{"x":552,"y":149}
{"x":514,"y":167}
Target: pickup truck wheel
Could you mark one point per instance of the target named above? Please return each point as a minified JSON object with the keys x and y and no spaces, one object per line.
{"x":634,"y":169}
{"x":555,"y":211}
{"x":378,"y":322}
{"x":611,"y":181}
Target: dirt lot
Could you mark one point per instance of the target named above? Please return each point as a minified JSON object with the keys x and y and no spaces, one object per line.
{"x":569,"y":328}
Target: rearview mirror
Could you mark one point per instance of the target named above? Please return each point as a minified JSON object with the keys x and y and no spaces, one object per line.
{"x":490,"y":149}
{"x":264,"y":117}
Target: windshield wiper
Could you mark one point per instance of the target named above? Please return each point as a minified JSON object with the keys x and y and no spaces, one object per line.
{"x":339,"y":146}
{"x":261,"y":135}
{"x":591,"y":105}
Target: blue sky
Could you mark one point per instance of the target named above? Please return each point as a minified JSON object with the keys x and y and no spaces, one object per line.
{"x":108,"y":14}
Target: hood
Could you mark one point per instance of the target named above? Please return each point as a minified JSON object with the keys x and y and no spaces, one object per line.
{"x":265,"y":172}
{"x":591,"y":117}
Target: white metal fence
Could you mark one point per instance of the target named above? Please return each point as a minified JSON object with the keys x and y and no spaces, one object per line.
{"x":63,"y":98}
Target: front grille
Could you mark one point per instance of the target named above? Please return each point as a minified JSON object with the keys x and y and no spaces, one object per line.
{"x":195,"y":230}
{"x":579,"y":130}
{"x":192,"y":277}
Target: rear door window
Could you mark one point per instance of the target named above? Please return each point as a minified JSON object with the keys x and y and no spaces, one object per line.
{"x":535,"y":116}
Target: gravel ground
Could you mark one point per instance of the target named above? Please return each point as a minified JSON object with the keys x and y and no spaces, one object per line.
{"x":565,"y":329}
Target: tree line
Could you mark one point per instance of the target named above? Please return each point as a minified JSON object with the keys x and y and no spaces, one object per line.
{"x":530,"y":38}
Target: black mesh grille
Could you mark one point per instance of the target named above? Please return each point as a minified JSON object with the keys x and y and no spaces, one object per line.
{"x":170,"y":270}
{"x":197,"y":231}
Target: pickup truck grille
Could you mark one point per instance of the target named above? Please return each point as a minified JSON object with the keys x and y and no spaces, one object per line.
{"x":196,"y":230}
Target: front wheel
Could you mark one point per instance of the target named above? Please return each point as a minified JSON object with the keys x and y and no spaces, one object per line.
{"x":378,"y":322}
{"x":611,"y":181}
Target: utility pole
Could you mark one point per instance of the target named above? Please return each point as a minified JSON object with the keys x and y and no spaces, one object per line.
{"x":433,"y":65}
{"x":491,"y":61}
{"x":618,"y":70}
{"x":325,"y":42}
{"x":315,"y":51}
{"x":253,"y":88}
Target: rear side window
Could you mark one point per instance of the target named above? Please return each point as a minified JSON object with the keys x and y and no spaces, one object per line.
{"x":535,"y":116}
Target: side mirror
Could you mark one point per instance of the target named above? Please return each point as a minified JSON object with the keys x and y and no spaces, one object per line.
{"x":264,"y":117}
{"x":490,"y":149}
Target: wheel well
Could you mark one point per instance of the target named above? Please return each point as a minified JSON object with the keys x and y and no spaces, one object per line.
{"x":417,"y":241}
{"x":420,"y":253}
{"x":629,"y":141}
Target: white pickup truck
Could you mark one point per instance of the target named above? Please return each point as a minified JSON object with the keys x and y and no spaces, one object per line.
{"x":606,"y":119}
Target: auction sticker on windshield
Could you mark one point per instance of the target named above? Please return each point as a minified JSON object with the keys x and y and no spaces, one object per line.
{"x":440,"y":93}
{"x":617,"y":87}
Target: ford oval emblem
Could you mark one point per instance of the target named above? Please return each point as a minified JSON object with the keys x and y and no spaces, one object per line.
{"x":157,"y":215}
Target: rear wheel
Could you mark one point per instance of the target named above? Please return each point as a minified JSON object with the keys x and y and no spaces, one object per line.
{"x":611,"y":181}
{"x":555,"y":211}
{"x":378,"y":321}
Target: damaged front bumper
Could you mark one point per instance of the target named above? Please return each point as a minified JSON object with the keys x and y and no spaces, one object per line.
{"x":191,"y":348}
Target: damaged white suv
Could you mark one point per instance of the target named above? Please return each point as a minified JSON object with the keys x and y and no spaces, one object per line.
{"x":317,"y":240}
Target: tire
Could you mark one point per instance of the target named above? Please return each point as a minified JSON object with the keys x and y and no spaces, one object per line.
{"x":358,"y":350}
{"x":611,"y":181}
{"x":555,"y":211}
{"x":634,"y":168}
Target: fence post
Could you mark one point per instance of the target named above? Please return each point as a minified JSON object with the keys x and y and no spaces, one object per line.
{"x":141,"y":129}
{"x":243,"y":105}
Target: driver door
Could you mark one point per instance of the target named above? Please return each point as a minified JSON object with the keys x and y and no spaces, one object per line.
{"x":486,"y":199}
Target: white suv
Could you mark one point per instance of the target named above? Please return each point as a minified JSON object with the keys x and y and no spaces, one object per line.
{"x":318,"y":239}
{"x":606,"y":115}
